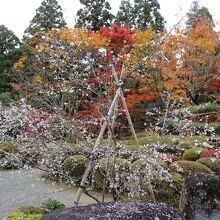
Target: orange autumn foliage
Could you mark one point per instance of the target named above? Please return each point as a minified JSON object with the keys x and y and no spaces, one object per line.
{"x":82,"y":38}
{"x":133,"y":100}
{"x":186,"y":64}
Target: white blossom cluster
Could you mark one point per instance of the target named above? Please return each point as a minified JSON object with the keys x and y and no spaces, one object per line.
{"x":12,"y":119}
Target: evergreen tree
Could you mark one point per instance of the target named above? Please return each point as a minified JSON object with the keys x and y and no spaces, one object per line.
{"x":198,"y":13}
{"x":95,"y":14}
{"x":9,"y":53}
{"x":48,"y":16}
{"x":125,"y":14}
{"x":146,"y":14}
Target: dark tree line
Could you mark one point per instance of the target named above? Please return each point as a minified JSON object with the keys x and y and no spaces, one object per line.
{"x":142,"y":15}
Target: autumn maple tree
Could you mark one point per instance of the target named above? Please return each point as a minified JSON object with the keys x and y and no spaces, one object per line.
{"x":188,"y":57}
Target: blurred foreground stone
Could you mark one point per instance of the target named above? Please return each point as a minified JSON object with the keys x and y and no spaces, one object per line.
{"x":117,"y":211}
{"x":201,"y":197}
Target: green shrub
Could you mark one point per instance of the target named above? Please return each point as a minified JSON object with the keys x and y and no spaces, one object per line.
{"x":141,"y":165}
{"x":186,"y":167}
{"x":212,"y":163}
{"x":52,"y":204}
{"x":121,"y":167}
{"x":5,"y":97}
{"x":75,"y":165}
{"x":98,"y":180}
{"x":171,"y":149}
{"x":193,"y":153}
{"x":201,"y":127}
{"x":205,"y":107}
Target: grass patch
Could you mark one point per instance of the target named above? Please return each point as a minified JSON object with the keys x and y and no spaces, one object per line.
{"x":172,"y":140}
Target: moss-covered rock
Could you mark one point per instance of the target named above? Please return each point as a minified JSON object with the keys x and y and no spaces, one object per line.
{"x":9,"y":158}
{"x":212,"y":163}
{"x":169,"y":191}
{"x":186,"y":167}
{"x":21,"y":216}
{"x":193,"y":153}
{"x":143,"y":168}
{"x":5,"y":148}
{"x":31,"y":210}
{"x":116,"y":168}
{"x":34,"y":154}
{"x":166,"y":190}
{"x":75,"y":165}
{"x":26,"y":213}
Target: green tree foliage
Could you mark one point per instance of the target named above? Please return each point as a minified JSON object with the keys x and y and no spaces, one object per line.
{"x":125,"y":14}
{"x":9,"y":52}
{"x":197,"y":14}
{"x":95,"y":14}
{"x":146,"y":14}
{"x":48,"y":16}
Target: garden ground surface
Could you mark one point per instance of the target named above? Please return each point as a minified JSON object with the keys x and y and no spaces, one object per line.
{"x":26,"y":187}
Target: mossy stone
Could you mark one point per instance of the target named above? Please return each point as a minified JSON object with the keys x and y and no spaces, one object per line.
{"x":212,"y":163}
{"x":18,"y":214}
{"x":31,"y":210}
{"x":140,"y":169}
{"x":165,"y":190}
{"x":169,"y":192}
{"x":5,"y":148}
{"x":186,"y":167}
{"x":75,"y":165}
{"x":193,"y":153}
{"x":7,"y":161}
